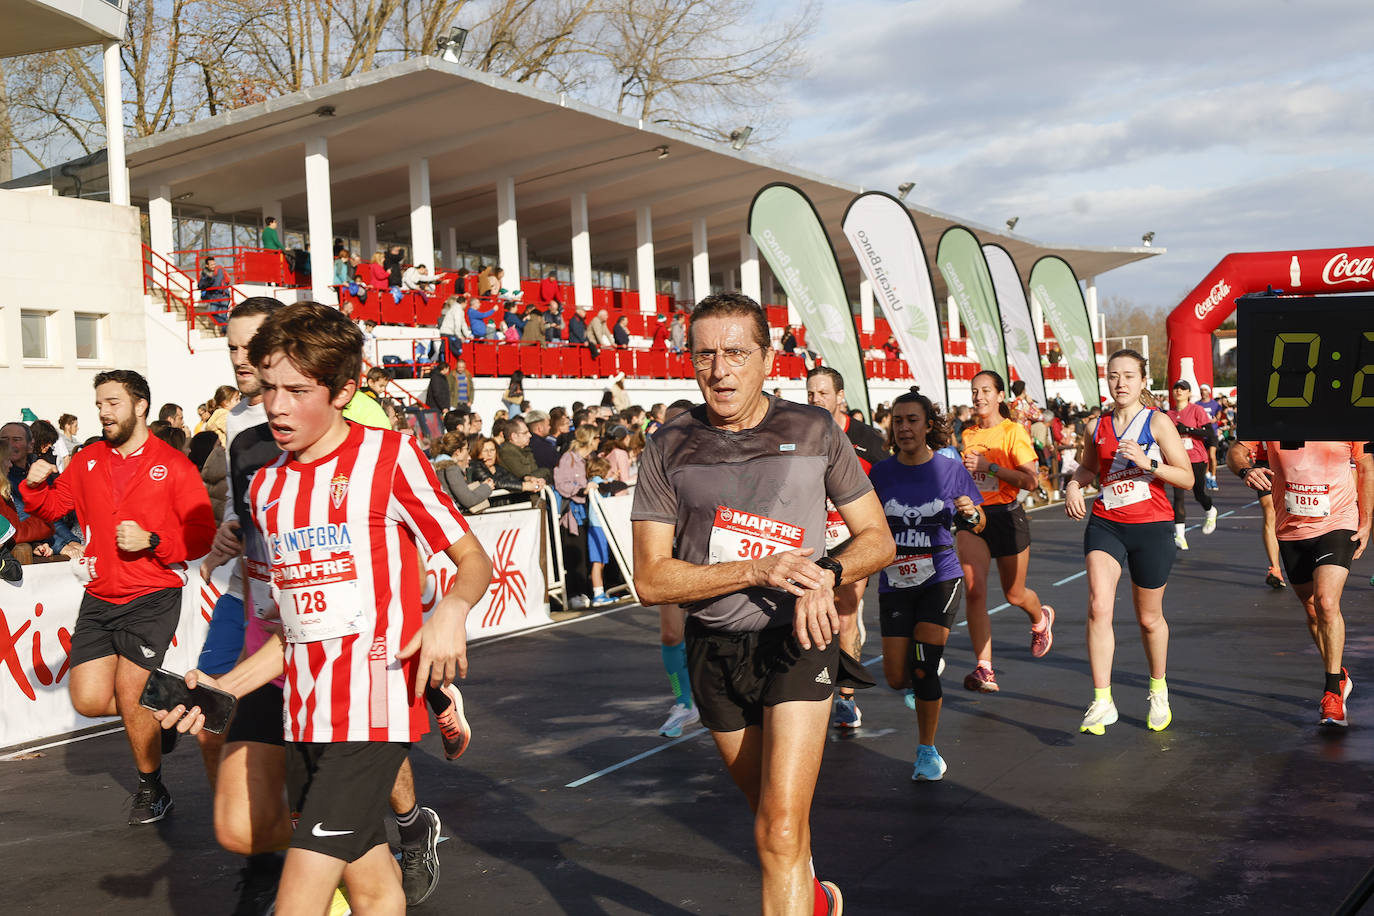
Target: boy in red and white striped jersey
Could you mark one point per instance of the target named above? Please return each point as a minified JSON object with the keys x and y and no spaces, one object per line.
{"x":342,"y":513}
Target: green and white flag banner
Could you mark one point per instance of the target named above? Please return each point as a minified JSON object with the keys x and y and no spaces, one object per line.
{"x":784,"y":224}
{"x":884,"y":238}
{"x":1018,"y":329}
{"x":966,"y":276}
{"x":1054,"y":285}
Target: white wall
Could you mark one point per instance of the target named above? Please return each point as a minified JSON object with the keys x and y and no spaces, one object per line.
{"x":64,"y":256}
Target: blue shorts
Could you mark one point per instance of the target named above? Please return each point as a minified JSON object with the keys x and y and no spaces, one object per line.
{"x":224,"y":641}
{"x":598,"y":550}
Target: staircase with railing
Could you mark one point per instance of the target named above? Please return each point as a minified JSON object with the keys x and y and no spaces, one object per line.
{"x":164,"y":281}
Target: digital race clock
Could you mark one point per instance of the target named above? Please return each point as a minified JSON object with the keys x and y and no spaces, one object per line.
{"x":1305,"y":368}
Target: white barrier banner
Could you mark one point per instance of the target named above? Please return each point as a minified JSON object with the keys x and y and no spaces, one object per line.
{"x":516,"y":599}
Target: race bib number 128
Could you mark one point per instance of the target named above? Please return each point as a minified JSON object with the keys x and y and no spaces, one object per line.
{"x":737,"y":535}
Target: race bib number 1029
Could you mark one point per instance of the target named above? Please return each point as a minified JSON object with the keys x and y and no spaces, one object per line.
{"x":737,"y":535}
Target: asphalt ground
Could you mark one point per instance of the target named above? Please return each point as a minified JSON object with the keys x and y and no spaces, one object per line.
{"x":568,"y":801}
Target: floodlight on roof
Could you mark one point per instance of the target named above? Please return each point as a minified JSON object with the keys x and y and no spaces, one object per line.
{"x":904,"y":189}
{"x":1147,"y":239}
{"x":662,"y":151}
{"x":1011,"y":223}
{"x":740,"y":136}
{"x":449,"y":47}
{"x":325,"y":111}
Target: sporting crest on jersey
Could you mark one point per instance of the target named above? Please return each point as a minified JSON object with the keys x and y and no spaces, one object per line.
{"x":338,"y":489}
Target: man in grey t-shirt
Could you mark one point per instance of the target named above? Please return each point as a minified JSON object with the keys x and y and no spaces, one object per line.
{"x":729,"y":513}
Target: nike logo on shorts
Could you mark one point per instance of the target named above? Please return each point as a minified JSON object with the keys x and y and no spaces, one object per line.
{"x":318,"y":830}
{"x":1323,"y":557}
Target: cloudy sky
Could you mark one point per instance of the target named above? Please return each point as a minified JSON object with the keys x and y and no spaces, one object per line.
{"x":1221,"y":126}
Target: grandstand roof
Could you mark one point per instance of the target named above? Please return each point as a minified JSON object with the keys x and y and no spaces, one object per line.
{"x":475,"y":128}
{"x":34,"y":26}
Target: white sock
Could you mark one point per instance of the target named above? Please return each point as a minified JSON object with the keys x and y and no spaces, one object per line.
{"x":1178,"y":529}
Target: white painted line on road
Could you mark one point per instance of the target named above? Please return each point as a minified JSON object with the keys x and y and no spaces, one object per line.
{"x":43,"y":747}
{"x":1001,"y":607}
{"x":635,"y":759}
{"x":1077,"y":575}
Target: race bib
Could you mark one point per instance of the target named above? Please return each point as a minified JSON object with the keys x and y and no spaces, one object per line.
{"x":836,"y":531}
{"x":1125,"y":492}
{"x":318,"y":600}
{"x":987,"y":483}
{"x":1310,"y":500}
{"x":910,"y":572}
{"x":258,"y":577}
{"x":737,"y":535}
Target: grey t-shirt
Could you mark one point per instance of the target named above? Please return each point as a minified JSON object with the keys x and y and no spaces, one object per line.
{"x":742,"y":495}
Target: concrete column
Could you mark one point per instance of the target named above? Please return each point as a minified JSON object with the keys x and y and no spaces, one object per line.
{"x":524,"y":261}
{"x":160,"y":221}
{"x":451,"y":248}
{"x":750,"y":282}
{"x":367,"y":236}
{"x":507,"y":234}
{"x":1090,"y":295}
{"x":644,"y":261}
{"x":421,"y":216}
{"x":320,"y":212}
{"x":732,"y":279}
{"x":581,"y":252}
{"x":866,"y":306}
{"x":114,"y":126}
{"x":701,"y":262}
{"x":952,"y":317}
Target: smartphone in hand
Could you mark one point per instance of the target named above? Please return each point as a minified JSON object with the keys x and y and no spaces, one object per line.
{"x":167,"y":690}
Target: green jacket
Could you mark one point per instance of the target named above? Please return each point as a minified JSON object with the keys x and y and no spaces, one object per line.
{"x":270,"y":239}
{"x":520,"y":462}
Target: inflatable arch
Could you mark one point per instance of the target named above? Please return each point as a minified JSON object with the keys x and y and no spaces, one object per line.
{"x":1319,"y":270}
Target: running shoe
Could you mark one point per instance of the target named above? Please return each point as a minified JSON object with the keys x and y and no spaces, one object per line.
{"x":602,"y":600}
{"x":339,"y":905}
{"x":447,"y":705}
{"x":151,"y":804}
{"x":847,"y":713}
{"x":1274,"y":580}
{"x":420,"y":863}
{"x":679,"y":718}
{"x":1347,"y":683}
{"x":1041,"y":640}
{"x":1159,"y":716}
{"x":930,"y":766}
{"x":1209,"y":521}
{"x":834,"y":900}
{"x":258,"y":882}
{"x":1212,"y":482}
{"x":1099,"y":715}
{"x":10,"y":570}
{"x":982,"y":680}
{"x":909,"y":697}
{"x":1180,"y":542}
{"x":1333,"y":710}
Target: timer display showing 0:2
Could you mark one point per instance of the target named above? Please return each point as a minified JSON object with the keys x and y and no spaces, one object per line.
{"x":1293,"y":375}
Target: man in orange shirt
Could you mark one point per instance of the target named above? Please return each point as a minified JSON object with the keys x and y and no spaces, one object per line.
{"x":1323,"y":519}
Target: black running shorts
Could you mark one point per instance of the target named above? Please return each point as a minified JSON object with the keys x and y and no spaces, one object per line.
{"x":900,"y":611}
{"x":1007,"y":531}
{"x":1301,"y":558}
{"x":258,"y":717}
{"x":735,"y":675}
{"x":340,"y":794}
{"x":1146,"y":549}
{"x":139,"y":630}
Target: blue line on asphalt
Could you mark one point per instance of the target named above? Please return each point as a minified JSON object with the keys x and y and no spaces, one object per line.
{"x":635,"y":759}
{"x":1077,"y":575}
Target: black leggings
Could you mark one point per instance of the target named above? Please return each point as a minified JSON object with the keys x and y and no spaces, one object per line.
{"x":1199,"y":492}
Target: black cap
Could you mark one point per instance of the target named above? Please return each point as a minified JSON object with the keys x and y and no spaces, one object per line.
{"x":1183,"y":384}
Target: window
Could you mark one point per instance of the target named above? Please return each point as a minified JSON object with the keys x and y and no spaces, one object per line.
{"x":33,"y":328}
{"x":88,"y":329}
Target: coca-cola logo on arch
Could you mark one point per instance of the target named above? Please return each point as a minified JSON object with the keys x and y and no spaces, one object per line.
{"x":1214,"y":298}
{"x":1345,"y":269}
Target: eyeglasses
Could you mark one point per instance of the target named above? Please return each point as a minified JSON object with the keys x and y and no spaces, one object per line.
{"x":734,"y":356}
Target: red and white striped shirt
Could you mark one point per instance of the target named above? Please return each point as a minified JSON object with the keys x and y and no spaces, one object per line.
{"x":341,"y":535}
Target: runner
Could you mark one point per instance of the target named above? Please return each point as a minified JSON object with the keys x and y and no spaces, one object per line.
{"x":672,"y":621}
{"x":1214,"y":412}
{"x":356,"y":656}
{"x":1193,"y":424}
{"x":146,"y":514}
{"x":1274,"y":577}
{"x":1129,"y":527}
{"x":825,"y":389}
{"x":999,"y":454}
{"x":1322,"y":526}
{"x":729,"y":512}
{"x":923,"y":494}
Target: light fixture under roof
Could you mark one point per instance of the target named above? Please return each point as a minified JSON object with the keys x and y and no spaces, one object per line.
{"x":740,"y":136}
{"x":1011,"y":223}
{"x":904,"y":189}
{"x":450,"y":47}
{"x":662,"y":151}
{"x":1147,"y":239}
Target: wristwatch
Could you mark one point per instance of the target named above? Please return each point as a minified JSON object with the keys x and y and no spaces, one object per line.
{"x":1154,"y":465}
{"x":834,"y":566}
{"x":993,"y":469}
{"x":153,"y":540}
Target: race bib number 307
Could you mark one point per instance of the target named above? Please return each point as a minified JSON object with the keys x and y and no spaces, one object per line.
{"x":737,"y":535}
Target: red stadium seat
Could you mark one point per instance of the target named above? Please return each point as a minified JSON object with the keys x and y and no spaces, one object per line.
{"x":606,"y":363}
{"x":393,"y":312}
{"x":507,"y":358}
{"x":483,"y":353}
{"x":625,"y":361}
{"x":587,"y":366}
{"x":362,"y":310}
{"x":427,"y":309}
{"x":652,"y":363}
{"x":530,"y":361}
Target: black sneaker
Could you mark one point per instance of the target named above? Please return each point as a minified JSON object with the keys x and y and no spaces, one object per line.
{"x":152,"y":801}
{"x":10,"y":570}
{"x":258,"y":882}
{"x":420,"y":863}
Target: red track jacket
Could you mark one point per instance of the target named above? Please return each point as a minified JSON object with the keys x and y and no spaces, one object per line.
{"x":165,"y":496}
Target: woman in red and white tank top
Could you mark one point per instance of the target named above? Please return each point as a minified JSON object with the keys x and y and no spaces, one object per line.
{"x":1135,"y":453}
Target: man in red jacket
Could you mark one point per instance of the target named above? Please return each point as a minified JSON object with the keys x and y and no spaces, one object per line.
{"x":145,"y":513}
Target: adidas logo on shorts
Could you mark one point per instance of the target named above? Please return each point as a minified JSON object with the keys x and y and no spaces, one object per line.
{"x":824,"y":676}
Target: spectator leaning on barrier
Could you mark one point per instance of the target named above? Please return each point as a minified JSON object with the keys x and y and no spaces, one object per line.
{"x":516,"y":456}
{"x":271,"y":239}
{"x":541,"y":443}
{"x":577,"y":326}
{"x":478,"y":320}
{"x":451,"y":462}
{"x":598,"y":332}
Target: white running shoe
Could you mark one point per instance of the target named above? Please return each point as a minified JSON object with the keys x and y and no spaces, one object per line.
{"x":1209,"y":521}
{"x":1159,"y":715}
{"x":679,"y":718}
{"x":1099,"y":715}
{"x":1180,"y":542}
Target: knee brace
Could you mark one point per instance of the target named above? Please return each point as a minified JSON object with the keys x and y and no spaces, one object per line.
{"x":925,"y":671}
